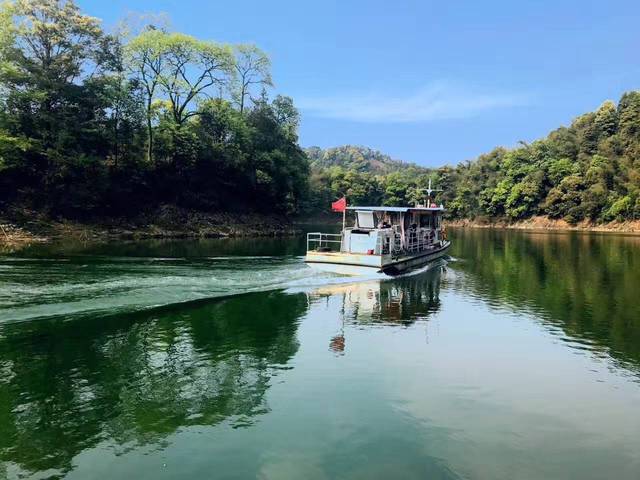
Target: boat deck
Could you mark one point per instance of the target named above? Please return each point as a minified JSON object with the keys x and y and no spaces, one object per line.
{"x":359,"y":263}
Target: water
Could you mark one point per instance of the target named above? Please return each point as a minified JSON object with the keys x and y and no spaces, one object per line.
{"x":517,"y":358}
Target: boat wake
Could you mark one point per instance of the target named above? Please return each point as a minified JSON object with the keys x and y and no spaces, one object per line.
{"x":33,"y":288}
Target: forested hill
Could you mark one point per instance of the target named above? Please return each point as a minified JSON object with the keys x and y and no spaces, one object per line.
{"x":96,"y":123}
{"x":353,"y":157}
{"x":589,"y":170}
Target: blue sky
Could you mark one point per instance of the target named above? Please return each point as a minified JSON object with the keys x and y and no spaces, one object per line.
{"x":428,"y":82}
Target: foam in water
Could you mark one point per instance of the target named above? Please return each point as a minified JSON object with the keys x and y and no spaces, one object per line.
{"x":36,"y":288}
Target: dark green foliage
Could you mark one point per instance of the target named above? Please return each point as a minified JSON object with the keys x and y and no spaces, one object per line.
{"x":93,"y":125}
{"x":587,"y":171}
{"x":74,"y":137}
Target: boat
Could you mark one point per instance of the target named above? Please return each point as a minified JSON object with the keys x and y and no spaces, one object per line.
{"x":388,"y":240}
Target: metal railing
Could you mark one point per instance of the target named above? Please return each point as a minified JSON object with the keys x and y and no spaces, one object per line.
{"x":387,"y":243}
{"x":421,"y":239}
{"x":327,"y":242}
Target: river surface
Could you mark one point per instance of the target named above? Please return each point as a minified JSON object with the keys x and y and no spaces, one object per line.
{"x":517,"y":358}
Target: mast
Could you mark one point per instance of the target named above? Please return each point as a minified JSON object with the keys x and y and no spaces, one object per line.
{"x":429,"y":191}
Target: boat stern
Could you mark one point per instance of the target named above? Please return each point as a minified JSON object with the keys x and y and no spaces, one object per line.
{"x":343,"y":263}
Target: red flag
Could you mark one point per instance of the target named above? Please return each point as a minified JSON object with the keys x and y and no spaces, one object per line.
{"x":339,"y":205}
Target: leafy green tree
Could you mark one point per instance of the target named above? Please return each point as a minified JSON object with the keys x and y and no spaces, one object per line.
{"x":253,"y":68}
{"x":191,"y":68}
{"x":620,"y":209}
{"x":557,"y":169}
{"x":524,"y":196}
{"x":565,"y":200}
{"x":606,"y":120}
{"x":180,"y":69}
{"x":145,"y":60}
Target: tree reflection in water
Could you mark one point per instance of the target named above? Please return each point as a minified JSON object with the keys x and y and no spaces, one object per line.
{"x":134,"y":380}
{"x":586,"y":285}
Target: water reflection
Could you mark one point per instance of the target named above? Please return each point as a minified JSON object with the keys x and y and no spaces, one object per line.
{"x":133,"y":380}
{"x":583,"y":284}
{"x":337,"y":381}
{"x":401,"y":301}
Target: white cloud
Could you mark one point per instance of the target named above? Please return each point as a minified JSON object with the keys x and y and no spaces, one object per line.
{"x":434,"y":102}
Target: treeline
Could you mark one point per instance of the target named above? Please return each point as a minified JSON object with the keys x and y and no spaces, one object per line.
{"x":365,"y":176}
{"x":95,"y":123}
{"x":587,"y":171}
{"x":350,"y":157}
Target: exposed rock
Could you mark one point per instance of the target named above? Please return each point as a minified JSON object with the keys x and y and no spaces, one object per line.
{"x":546,"y":223}
{"x":168,"y":221}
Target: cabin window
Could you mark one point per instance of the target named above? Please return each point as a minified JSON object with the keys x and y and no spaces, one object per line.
{"x":366,"y":220}
{"x":425,"y":221}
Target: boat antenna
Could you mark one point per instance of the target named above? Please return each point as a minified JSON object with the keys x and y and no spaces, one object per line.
{"x":430,"y":190}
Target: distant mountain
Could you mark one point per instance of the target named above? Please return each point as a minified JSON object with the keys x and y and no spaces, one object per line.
{"x":353,"y":157}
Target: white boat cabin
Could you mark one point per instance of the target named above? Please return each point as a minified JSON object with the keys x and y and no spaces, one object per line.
{"x":385,"y":231}
{"x":393,"y":230}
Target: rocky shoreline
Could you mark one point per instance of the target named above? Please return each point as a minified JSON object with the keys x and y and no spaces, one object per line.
{"x":541,"y":223}
{"x":21,"y":228}
{"x":28,"y":227}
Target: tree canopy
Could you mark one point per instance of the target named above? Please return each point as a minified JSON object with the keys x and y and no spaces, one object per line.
{"x":589,"y":170}
{"x":95,"y":123}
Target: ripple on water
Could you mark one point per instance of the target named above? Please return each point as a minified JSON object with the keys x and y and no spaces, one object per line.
{"x":37,"y":288}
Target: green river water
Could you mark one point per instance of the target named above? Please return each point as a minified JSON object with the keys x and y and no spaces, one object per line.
{"x":517,"y":358}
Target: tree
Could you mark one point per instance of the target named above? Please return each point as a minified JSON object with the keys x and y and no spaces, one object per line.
{"x":7,"y":35}
{"x":146,"y":61}
{"x":252,"y":67}
{"x":606,"y":120}
{"x":178,"y":68}
{"x":49,"y":116}
{"x":48,"y":48}
{"x":190,"y":68}
{"x":286,"y":115}
{"x":54,"y":39}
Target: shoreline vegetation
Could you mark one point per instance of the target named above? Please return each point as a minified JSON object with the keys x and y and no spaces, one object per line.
{"x":170,"y":222}
{"x":631,"y":227}
{"x":143,"y":132}
{"x":167,"y":222}
{"x":98,"y":125}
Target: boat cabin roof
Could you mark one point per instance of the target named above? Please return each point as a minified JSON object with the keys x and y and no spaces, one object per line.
{"x":398,"y":209}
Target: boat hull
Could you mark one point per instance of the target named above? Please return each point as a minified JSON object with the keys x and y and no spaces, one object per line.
{"x":359,"y":264}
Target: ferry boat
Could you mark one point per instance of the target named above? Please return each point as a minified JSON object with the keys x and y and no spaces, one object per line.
{"x":389,"y":240}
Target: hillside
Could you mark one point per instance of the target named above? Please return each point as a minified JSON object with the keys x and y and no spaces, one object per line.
{"x":90,"y":129}
{"x":354,"y":157}
{"x":588,"y":171}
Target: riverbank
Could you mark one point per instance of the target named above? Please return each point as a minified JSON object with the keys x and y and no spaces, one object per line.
{"x":26,"y":227}
{"x":541,"y":223}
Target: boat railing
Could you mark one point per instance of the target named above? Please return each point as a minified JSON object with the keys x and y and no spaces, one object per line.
{"x":328,"y":242}
{"x":420,"y":240}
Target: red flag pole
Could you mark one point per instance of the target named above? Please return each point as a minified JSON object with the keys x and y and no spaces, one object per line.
{"x":344,"y":214}
{"x":344,"y":220}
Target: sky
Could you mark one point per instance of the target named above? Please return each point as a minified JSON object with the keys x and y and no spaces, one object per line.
{"x":427,"y":82}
